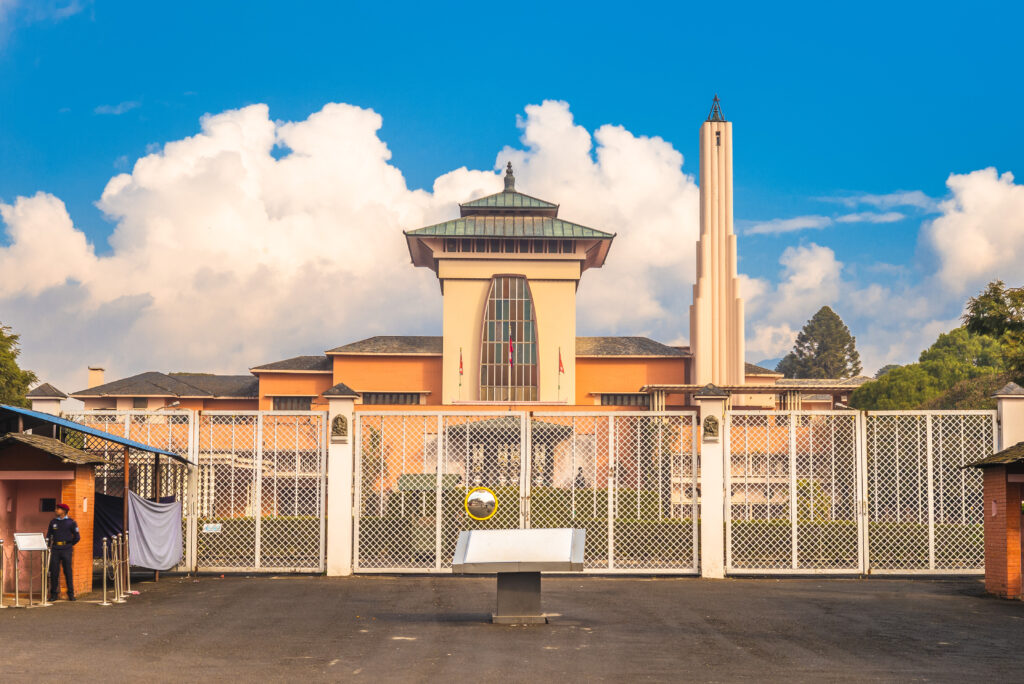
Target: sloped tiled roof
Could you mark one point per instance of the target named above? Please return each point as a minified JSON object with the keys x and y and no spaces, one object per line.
{"x":824,"y":382}
{"x":1010,"y":389}
{"x":155,"y":384}
{"x":751,"y":369}
{"x":236,"y":386}
{"x":45,"y":391}
{"x":1014,"y":454}
{"x":509,"y":227}
{"x":341,"y":390}
{"x":51,"y":446}
{"x":625,"y":346}
{"x":585,"y":346}
{"x":508,"y":199}
{"x":297,"y":363}
{"x":393,"y":344}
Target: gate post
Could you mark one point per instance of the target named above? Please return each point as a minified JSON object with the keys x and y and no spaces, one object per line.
{"x":340,"y":477}
{"x":711,"y":401}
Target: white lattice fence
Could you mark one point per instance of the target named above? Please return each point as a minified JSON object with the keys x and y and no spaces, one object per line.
{"x":924,"y":508}
{"x":260,"y":491}
{"x":793,"y":484}
{"x":628,"y":479}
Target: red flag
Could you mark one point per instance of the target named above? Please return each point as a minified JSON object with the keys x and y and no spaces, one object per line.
{"x":460,"y":361}
{"x":511,"y":344}
{"x":561,"y":368}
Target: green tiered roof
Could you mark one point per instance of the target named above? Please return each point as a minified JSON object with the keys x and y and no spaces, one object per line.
{"x":510,"y":227}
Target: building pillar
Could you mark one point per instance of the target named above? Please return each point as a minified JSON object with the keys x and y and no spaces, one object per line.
{"x":1010,"y":410}
{"x":340,"y":478}
{"x":712,"y":401}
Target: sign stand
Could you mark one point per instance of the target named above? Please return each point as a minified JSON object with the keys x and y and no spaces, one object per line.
{"x":31,"y":541}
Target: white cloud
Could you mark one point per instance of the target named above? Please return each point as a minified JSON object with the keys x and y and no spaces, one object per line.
{"x":225,"y":254}
{"x":118,"y":109}
{"x":778,"y":226}
{"x":980,"y":234}
{"x":871,"y":217}
{"x":902,"y":198}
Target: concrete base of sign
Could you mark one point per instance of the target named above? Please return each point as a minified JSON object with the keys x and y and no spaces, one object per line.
{"x":518,"y":599}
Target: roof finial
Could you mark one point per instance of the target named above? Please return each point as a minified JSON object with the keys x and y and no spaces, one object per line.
{"x":716,"y":111}
{"x":510,"y":180}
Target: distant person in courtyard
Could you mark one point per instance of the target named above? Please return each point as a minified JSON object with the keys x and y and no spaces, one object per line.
{"x":62,"y":535}
{"x":581,"y":482}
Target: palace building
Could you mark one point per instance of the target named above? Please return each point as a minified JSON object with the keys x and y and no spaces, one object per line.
{"x":509,"y":267}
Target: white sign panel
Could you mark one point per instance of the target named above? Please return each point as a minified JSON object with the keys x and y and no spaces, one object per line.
{"x":211,"y":527}
{"x":30,"y":541}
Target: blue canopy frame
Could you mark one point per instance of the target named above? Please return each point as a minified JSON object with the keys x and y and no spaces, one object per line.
{"x":31,"y":419}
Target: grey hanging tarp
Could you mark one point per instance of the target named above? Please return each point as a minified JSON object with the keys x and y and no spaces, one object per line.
{"x":154,"y":533}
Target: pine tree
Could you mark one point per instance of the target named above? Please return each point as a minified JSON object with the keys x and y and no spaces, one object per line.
{"x":14,"y":382}
{"x":824,"y":349}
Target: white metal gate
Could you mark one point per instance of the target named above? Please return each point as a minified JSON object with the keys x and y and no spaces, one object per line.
{"x":629,"y":479}
{"x":259,"y":491}
{"x":924,"y":508}
{"x":793,"y":487}
{"x":819,"y":492}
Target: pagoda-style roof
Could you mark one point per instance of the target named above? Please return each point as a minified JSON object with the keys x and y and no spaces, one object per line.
{"x":509,"y":214}
{"x":510,"y":227}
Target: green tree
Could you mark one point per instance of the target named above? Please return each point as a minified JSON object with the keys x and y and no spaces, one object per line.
{"x":998,"y":311}
{"x":14,"y":382}
{"x":824,"y":349}
{"x":955,"y":356}
{"x":885,"y":369}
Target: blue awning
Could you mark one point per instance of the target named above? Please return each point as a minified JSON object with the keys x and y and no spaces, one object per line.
{"x":15,"y":411}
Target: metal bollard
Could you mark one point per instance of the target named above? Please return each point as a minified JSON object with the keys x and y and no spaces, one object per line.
{"x":105,"y":601}
{"x":118,"y":597}
{"x":122,"y":551}
{"x":2,"y":559}
{"x":17,"y":571}
{"x":127,"y":564}
{"x":44,"y":581}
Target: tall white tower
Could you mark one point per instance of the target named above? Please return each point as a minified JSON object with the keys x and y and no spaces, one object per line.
{"x":716,"y":316}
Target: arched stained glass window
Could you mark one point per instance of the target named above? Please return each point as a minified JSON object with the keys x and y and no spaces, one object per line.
{"x":508,"y":351}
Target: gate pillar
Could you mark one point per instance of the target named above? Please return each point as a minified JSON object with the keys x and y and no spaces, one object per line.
{"x":340,"y":468}
{"x":711,"y":401}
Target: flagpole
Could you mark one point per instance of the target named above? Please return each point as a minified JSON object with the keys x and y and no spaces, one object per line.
{"x":559,"y":374}
{"x":460,"y":373}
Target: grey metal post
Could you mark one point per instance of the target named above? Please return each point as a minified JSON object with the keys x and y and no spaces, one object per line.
{"x":44,"y":579}
{"x":127,"y":563}
{"x":105,"y":567}
{"x":30,"y":578}
{"x":17,"y":571}
{"x":2,"y":574}
{"x":115,"y":567}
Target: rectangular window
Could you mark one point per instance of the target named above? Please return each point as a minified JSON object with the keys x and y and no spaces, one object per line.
{"x":638,"y":400}
{"x":140,"y":403}
{"x":292,"y":403}
{"x":404,"y":398}
{"x":47,"y":505}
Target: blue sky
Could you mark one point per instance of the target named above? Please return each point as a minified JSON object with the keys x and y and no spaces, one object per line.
{"x":829,"y":103}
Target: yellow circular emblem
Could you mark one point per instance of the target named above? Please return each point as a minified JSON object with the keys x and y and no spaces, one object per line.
{"x":480,"y":503}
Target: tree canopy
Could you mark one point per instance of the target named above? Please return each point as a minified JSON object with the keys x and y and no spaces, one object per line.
{"x":956,"y":356}
{"x":824,"y":349}
{"x":14,"y":382}
{"x":998,"y":311}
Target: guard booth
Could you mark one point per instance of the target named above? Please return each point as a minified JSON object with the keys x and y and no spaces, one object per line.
{"x":1004,"y":544}
{"x":37,"y":473}
{"x":46,"y":460}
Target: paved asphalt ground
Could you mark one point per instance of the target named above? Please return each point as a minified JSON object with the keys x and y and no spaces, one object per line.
{"x":437,"y":629}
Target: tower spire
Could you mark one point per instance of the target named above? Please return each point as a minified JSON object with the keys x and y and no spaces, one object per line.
{"x":510,"y":180}
{"x":716,"y":111}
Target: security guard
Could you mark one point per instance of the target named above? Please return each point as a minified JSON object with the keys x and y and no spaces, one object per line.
{"x":62,"y":535}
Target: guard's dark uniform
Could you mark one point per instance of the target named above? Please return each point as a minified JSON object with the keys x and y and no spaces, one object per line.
{"x":62,"y":534}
